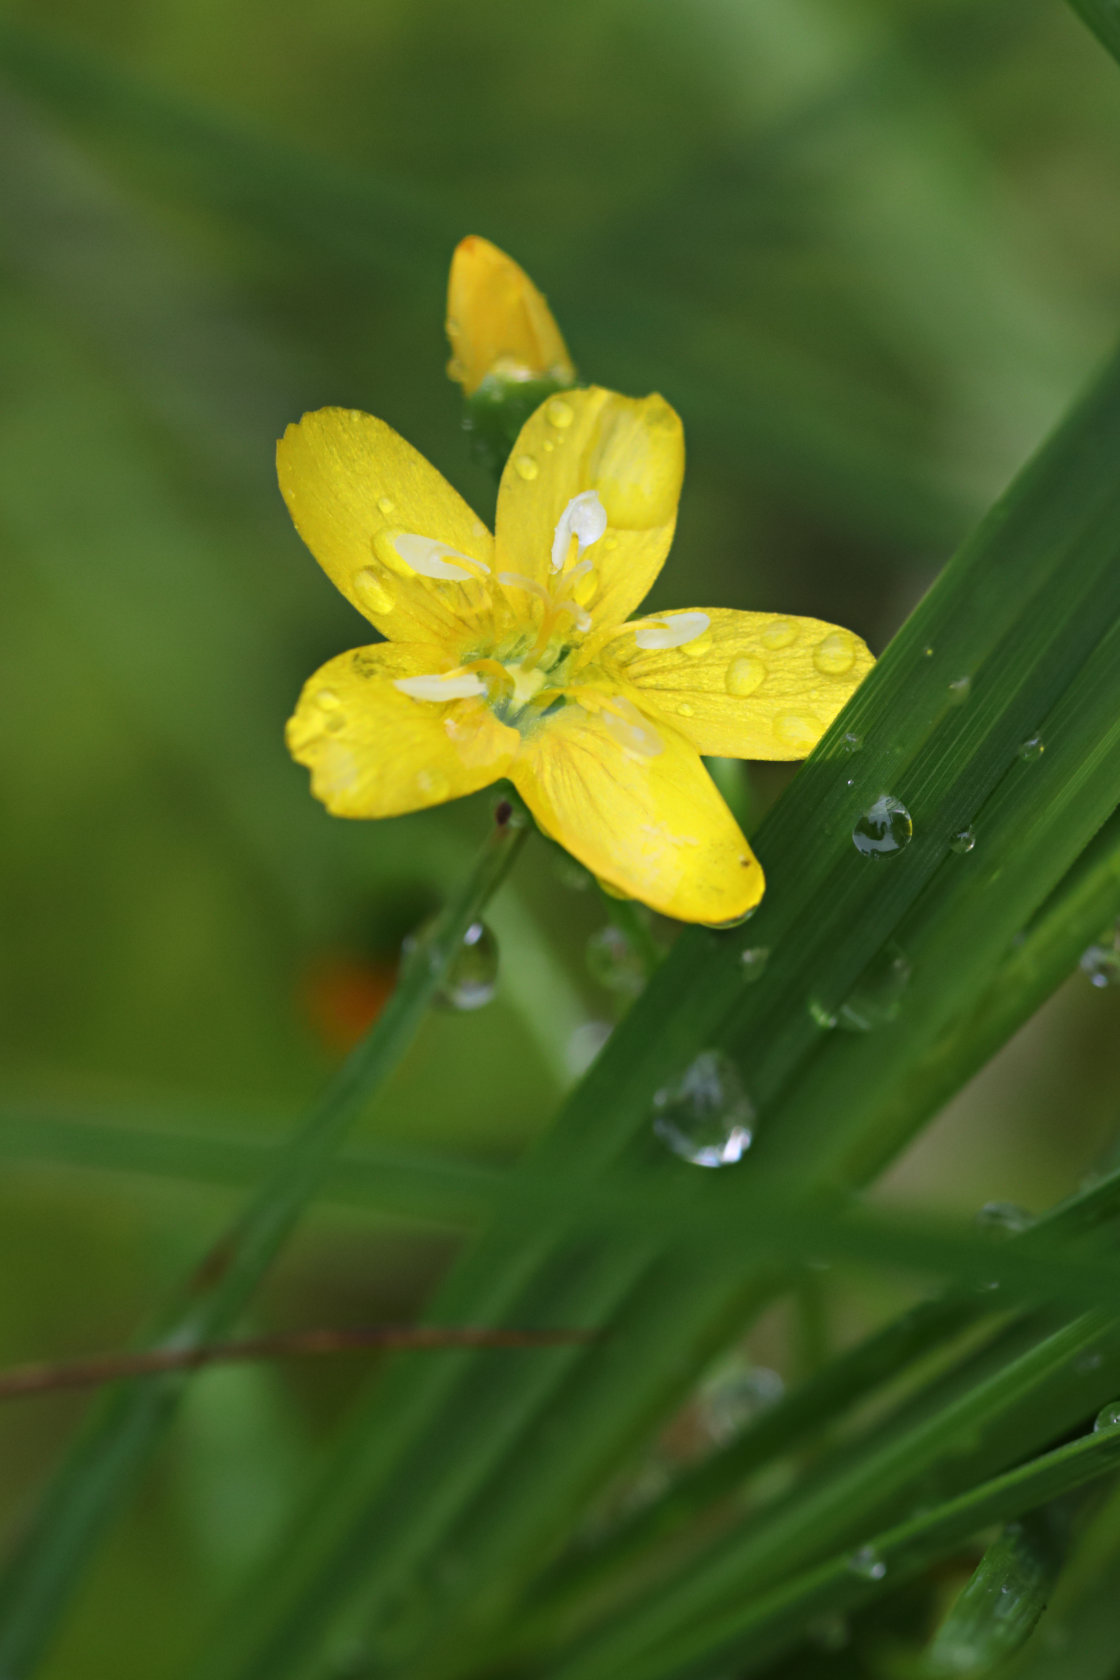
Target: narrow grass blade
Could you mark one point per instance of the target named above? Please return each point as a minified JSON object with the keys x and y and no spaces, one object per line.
{"x":101,"y":1469}
{"x":1000,"y":1607}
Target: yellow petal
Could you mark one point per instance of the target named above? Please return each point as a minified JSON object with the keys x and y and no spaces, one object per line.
{"x":353,"y":486}
{"x":649,"y":823}
{"x":375,"y":752}
{"x":498,"y":322}
{"x":630,"y":451}
{"x":746,"y":685}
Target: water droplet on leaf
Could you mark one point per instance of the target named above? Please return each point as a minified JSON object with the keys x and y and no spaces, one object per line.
{"x":867,"y":1564}
{"x":1101,"y":965}
{"x":851,"y":743}
{"x":1003,"y":1219}
{"x":706,"y":1117}
{"x":613,"y":962}
{"x":1108,"y":1417}
{"x":754,"y":960}
{"x":876,"y":997}
{"x":821,"y":1014}
{"x":959,"y":691}
{"x":1032,"y":749}
{"x":884,"y":828}
{"x":734,"y":1396}
{"x":963,"y":841}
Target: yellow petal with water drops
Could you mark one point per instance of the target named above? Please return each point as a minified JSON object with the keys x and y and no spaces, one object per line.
{"x":386,"y":527}
{"x":636,"y":806}
{"x":498,"y":322}
{"x":628,"y":451}
{"x":740,"y":684}
{"x":374,"y":751}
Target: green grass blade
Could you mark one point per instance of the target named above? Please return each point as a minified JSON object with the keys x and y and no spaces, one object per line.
{"x":101,"y":1469}
{"x":1000,"y":1607}
{"x":1028,"y":610}
{"x":1103,"y":18}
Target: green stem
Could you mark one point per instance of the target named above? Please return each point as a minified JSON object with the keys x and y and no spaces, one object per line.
{"x":110,"y":1452}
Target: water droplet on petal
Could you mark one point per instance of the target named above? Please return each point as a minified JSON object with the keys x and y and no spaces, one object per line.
{"x":1004,"y":1219}
{"x":836,"y":654}
{"x":744,"y":675}
{"x":327,"y":698}
{"x":754,"y":960}
{"x":685,"y":710}
{"x":525,"y":467}
{"x":963,"y":841}
{"x":559,"y":413}
{"x":371,"y":591}
{"x":876,"y":997}
{"x":1101,"y":965}
{"x":867,"y":1563}
{"x":959,"y":691}
{"x":386,"y":504}
{"x":614,"y":963}
{"x":779,"y":634}
{"x":1108,"y":1417}
{"x":800,"y":731}
{"x":1032,"y":749}
{"x":707,"y":1117}
{"x":884,"y":828}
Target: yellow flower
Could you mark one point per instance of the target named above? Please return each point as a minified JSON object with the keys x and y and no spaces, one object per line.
{"x":498,"y":322}
{"x":511,"y":655}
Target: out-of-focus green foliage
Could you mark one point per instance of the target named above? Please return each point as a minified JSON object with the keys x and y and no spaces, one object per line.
{"x":869,"y":250}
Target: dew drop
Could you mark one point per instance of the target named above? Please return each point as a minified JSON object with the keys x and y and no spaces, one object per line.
{"x":959,"y":691}
{"x":1108,"y":1417}
{"x":371,"y":591}
{"x":706,"y":1117}
{"x":698,"y":646}
{"x":525,"y":467}
{"x":754,"y":960}
{"x":614,"y":963}
{"x":1032,"y":749}
{"x":800,"y":731}
{"x":685,"y":710}
{"x":559,"y":413}
{"x":386,"y":504}
{"x":867,"y":1564}
{"x":876,"y":998}
{"x":1101,"y":965}
{"x":821,"y":1014}
{"x":963,"y":841}
{"x":1003,"y":1219}
{"x":472,"y":978}
{"x":884,"y":828}
{"x":851,"y":743}
{"x":779,"y":634}
{"x":734,"y":1397}
{"x":327,"y":698}
{"x":744,"y":675}
{"x":835,"y":655}
{"x":732,"y":921}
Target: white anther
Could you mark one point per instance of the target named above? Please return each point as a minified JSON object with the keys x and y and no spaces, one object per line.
{"x":457,"y":685}
{"x":672,"y":632}
{"x":431,"y":558}
{"x":584,"y":518}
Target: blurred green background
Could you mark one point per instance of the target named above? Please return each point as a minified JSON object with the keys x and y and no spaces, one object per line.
{"x":868,"y":248}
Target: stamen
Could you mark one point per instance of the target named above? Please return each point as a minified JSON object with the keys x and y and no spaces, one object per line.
{"x":584,"y":518}
{"x":456,"y":685}
{"x":429,"y":557}
{"x":516,"y":581}
{"x":672,"y":632}
{"x":580,"y":614}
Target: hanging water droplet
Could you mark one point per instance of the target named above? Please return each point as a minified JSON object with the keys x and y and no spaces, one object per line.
{"x":836,"y":654}
{"x":821,"y":1014}
{"x":744,"y":675}
{"x":959,"y":691}
{"x":1032,"y":749}
{"x":754,"y":960}
{"x":1003,"y":1219}
{"x":779,"y":633}
{"x":733,"y":921}
{"x":472,"y":979}
{"x":525,"y":467}
{"x":884,"y":828}
{"x":613,"y":961}
{"x":706,"y":1117}
{"x":867,"y":1564}
{"x":876,"y":997}
{"x":736,"y":1395}
{"x":1101,"y":965}
{"x":1108,"y":1417}
{"x":963,"y":841}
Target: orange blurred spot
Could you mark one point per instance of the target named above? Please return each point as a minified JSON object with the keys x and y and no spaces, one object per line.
{"x":342,"y":996}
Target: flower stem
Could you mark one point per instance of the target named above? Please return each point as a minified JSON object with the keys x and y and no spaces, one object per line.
{"x":112,"y":1448}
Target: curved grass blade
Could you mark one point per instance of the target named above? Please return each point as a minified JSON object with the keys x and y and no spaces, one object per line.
{"x":1001,"y":1606}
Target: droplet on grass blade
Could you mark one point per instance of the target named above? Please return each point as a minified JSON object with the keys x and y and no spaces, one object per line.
{"x":867,"y":1564}
{"x":876,"y":997}
{"x":707,"y":1117}
{"x":884,"y":828}
{"x":1108,"y":1417}
{"x":472,"y":978}
{"x":1004,"y":1219}
{"x":613,"y":961}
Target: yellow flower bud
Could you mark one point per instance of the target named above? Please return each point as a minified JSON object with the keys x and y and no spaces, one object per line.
{"x":498,"y":322}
